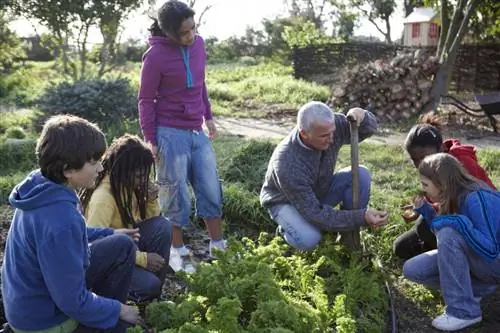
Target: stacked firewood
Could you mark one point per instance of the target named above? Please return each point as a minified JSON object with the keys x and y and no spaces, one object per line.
{"x":395,"y":89}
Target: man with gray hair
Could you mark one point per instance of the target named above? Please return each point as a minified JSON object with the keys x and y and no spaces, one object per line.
{"x":300,"y":189}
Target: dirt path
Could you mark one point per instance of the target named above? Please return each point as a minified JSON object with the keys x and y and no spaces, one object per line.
{"x":276,"y":129}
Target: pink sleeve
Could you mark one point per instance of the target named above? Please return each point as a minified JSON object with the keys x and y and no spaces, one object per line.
{"x":148,"y":89}
{"x":208,"y":106}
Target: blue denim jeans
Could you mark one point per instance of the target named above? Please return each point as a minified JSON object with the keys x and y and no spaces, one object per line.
{"x":301,"y":234}
{"x":186,"y":157}
{"x":156,"y":237}
{"x":112,"y":261}
{"x":457,"y":271}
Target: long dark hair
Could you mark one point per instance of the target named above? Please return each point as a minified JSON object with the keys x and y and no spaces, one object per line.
{"x":169,"y":18}
{"x":128,"y":162}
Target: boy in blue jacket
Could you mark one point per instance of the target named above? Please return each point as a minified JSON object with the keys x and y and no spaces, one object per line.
{"x":58,"y":275}
{"x":466,"y":264}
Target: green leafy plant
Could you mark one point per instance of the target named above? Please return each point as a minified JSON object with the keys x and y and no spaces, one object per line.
{"x":260,"y":287}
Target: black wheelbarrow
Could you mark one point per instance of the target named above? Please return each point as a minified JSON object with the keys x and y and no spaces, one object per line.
{"x":489,"y":104}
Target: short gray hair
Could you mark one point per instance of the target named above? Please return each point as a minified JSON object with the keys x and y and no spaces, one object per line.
{"x":313,"y":113}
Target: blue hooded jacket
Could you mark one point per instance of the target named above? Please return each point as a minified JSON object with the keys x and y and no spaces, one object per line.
{"x":478,"y":221}
{"x":45,"y":260}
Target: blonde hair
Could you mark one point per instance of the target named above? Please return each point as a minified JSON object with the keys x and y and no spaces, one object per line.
{"x":450,"y":177}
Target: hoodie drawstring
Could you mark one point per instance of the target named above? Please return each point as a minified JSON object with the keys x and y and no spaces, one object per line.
{"x":189,"y":75}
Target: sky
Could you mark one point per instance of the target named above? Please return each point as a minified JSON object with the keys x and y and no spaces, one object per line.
{"x":226,"y":18}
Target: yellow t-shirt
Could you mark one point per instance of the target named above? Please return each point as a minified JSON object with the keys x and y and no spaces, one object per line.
{"x":103,"y":212}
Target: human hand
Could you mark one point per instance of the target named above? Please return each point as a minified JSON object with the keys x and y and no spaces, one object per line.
{"x":418,"y":201}
{"x":129,"y":314}
{"x":376,"y":218}
{"x":133,"y":233}
{"x":357,"y":114}
{"x":155,"y":262}
{"x":409,"y":215}
{"x":152,"y":191}
{"x":154,"y":150}
{"x":212,"y":129}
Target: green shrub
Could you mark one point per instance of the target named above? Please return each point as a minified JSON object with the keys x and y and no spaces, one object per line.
{"x":243,"y":212}
{"x":248,"y":165}
{"x":7,"y":183}
{"x":21,"y":118}
{"x":18,"y":88}
{"x":262,"y":287}
{"x":15,"y":132}
{"x":101,"y":101}
{"x":17,"y":157}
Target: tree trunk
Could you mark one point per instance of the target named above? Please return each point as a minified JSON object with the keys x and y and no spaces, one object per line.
{"x":109,"y":30}
{"x":388,"y":29}
{"x":448,"y":54}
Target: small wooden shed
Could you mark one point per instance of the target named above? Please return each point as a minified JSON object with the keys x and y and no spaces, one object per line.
{"x":421,"y":27}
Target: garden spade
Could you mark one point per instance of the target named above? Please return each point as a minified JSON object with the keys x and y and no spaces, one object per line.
{"x":351,"y":238}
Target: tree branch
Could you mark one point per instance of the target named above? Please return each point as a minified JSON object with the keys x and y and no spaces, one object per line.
{"x":203,"y":12}
{"x":445,"y":26}
{"x":454,"y":26}
{"x":464,"y":24}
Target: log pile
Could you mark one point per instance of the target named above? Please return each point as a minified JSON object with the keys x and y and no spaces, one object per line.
{"x":395,"y":90}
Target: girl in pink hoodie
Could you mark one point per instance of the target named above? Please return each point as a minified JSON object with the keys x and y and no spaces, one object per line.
{"x":173,"y":105}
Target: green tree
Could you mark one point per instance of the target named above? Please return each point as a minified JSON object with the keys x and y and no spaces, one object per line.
{"x":378,"y":13}
{"x":69,"y":22}
{"x":10,"y":45}
{"x":485,"y":23}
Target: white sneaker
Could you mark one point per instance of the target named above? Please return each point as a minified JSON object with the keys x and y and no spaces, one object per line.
{"x":180,"y":259}
{"x":219,"y":245}
{"x":448,"y":323}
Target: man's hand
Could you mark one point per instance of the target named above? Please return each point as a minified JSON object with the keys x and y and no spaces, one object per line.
{"x":134,"y":233}
{"x":154,"y":150}
{"x":129,"y":314}
{"x":376,"y":218}
{"x":155,"y":262}
{"x":212,"y":129}
{"x":357,"y":114}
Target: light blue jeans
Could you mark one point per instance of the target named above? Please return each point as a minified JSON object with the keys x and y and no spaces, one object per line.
{"x":458,"y":271}
{"x":301,"y":234}
{"x":186,"y":157}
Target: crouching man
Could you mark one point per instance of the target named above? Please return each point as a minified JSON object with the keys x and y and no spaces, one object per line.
{"x":300,"y":189}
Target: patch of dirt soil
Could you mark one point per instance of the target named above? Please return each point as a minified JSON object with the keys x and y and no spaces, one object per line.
{"x":413,"y":319}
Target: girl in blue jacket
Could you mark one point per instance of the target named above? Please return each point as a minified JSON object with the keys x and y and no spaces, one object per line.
{"x":466,"y":265}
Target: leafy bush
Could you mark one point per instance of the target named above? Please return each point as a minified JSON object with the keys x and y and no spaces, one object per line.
{"x":248,"y":165}
{"x":7,"y":183}
{"x":18,"y":88}
{"x":101,"y":101}
{"x":242,"y":210}
{"x":16,"y":157}
{"x":15,"y":132}
{"x":15,"y":119}
{"x":259,"y":287}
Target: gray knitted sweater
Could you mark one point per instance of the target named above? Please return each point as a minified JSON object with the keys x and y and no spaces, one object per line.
{"x":300,"y":176}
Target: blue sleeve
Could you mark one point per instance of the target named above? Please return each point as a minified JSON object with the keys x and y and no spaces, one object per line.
{"x":427,"y":212}
{"x":61,"y":259}
{"x":96,"y":233}
{"x":475,"y":225}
